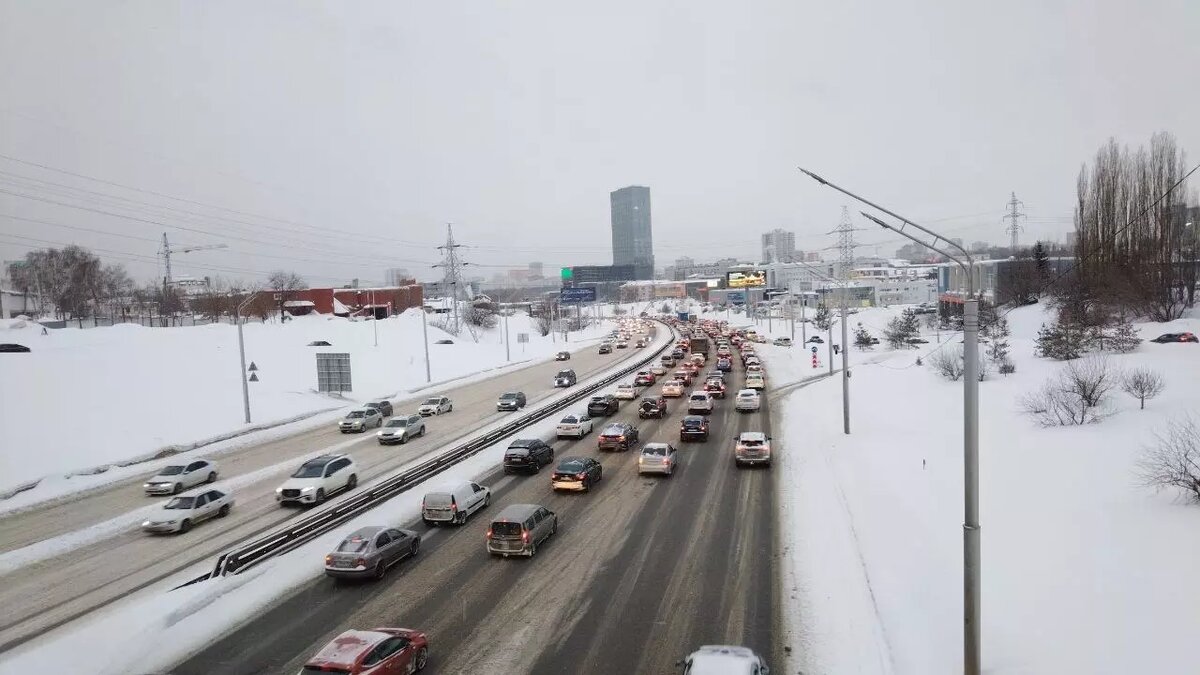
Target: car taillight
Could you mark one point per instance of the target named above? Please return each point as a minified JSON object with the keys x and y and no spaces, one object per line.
{"x":328,"y":559}
{"x":621,"y":437}
{"x":581,"y":475}
{"x":453,"y":506}
{"x":360,"y":562}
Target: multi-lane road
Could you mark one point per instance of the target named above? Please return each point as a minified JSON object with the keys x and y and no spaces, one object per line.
{"x":642,"y":570}
{"x":43,"y":595}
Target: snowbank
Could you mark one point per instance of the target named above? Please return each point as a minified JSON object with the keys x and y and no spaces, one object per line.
{"x":1084,"y":571}
{"x":86,"y":399}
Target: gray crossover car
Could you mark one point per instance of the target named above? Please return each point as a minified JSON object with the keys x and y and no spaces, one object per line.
{"x":400,"y":429}
{"x":370,"y":551}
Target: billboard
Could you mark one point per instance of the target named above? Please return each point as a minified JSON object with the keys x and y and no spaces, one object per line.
{"x":670,"y":291}
{"x":577,"y":294}
{"x":745,"y":278}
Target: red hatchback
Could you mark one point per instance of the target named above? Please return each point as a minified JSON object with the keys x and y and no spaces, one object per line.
{"x":380,"y":651}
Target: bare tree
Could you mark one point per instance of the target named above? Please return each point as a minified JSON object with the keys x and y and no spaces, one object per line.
{"x":543,"y":317}
{"x":948,"y":362}
{"x":1077,"y":395}
{"x":285,"y":284}
{"x":1142,"y":384}
{"x":1090,"y":379}
{"x":1174,"y":461}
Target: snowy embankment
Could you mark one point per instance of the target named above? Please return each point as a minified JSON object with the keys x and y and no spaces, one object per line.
{"x":1084,"y":570}
{"x":85,"y":401}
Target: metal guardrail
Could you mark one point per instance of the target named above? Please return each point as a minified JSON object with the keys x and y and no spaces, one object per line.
{"x":310,"y":527}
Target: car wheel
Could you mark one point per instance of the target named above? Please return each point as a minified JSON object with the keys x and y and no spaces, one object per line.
{"x":224,"y":511}
{"x":450,"y":409}
{"x":587,"y":484}
{"x":422,"y":429}
{"x":353,"y":482}
{"x":487,"y":500}
{"x":320,"y":496}
{"x":404,"y":439}
{"x":416,"y":546}
{"x":212,"y":477}
{"x":532,"y":548}
{"x":380,"y":570}
{"x":177,"y":488}
{"x":537,"y":466}
{"x":422,"y":658}
{"x":554,"y":527}
{"x":185,"y":525}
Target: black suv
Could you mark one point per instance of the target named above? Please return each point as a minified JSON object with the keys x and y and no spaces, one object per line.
{"x":565,"y":378}
{"x":603,"y":405}
{"x":513,"y":400}
{"x":693,"y":428}
{"x":527,"y":454}
{"x":384,"y":407}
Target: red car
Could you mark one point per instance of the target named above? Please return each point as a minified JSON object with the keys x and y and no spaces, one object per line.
{"x":644,"y":379}
{"x":381,"y":651}
{"x":684,"y":375}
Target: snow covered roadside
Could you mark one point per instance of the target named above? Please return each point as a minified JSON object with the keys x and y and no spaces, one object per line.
{"x":1084,"y":570}
{"x":136,"y":392}
{"x":155,"y":629}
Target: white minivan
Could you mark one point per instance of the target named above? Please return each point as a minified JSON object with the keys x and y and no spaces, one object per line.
{"x":454,"y":503}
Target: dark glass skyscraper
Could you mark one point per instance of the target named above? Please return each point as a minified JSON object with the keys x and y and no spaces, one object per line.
{"x":632,"y":241}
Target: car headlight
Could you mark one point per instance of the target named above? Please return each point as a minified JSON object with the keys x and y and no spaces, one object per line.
{"x":278,"y":490}
{"x":146,"y":523}
{"x":379,"y":433}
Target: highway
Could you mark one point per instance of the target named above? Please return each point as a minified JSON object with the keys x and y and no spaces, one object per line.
{"x":642,"y":570}
{"x":43,"y":595}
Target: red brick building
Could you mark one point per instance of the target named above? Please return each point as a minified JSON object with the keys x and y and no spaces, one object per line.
{"x":385,"y":301}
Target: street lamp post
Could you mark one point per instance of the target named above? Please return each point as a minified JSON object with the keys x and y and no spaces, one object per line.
{"x":237,"y":317}
{"x":507,"y":355}
{"x":425,"y":335}
{"x":972,"y":657}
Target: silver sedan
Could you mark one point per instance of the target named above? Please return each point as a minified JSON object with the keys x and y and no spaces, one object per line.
{"x":370,"y":551}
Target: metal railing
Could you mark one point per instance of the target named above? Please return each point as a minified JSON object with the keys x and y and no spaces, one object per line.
{"x":312,"y":526}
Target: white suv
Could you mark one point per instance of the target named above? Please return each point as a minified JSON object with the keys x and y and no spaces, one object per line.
{"x":700,"y":403}
{"x":723,"y":660}
{"x":747,"y":401}
{"x":318,"y":478}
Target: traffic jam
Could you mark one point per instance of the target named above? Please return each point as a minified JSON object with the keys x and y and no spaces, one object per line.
{"x":695,"y":377}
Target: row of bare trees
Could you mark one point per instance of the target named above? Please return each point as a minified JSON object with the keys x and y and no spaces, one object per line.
{"x":71,"y":281}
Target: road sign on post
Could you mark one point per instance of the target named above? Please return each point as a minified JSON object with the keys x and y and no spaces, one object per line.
{"x":522,"y":338}
{"x":577,"y":295}
{"x":333,"y":373}
{"x":814,"y":349}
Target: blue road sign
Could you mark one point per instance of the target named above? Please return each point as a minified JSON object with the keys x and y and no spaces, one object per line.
{"x":814,"y":349}
{"x":577,"y":294}
{"x":737,"y":297}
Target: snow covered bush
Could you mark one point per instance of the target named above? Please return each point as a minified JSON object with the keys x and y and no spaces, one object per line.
{"x":1174,"y":461}
{"x":863,"y":339}
{"x":901,"y":329}
{"x":1061,"y":342}
{"x":1142,"y":384}
{"x":1123,"y":338}
{"x":948,"y":362}
{"x":1008,"y":368}
{"x":1078,"y":395}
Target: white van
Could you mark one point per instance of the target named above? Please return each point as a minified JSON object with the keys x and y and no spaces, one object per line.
{"x":454,"y":503}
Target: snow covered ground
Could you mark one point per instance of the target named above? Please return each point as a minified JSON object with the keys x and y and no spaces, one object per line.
{"x":1084,"y":570}
{"x":86,"y":399}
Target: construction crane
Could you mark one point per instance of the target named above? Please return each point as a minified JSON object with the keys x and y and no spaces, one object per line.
{"x":166,"y":252}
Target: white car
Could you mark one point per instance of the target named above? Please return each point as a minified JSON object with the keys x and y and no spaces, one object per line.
{"x":575,"y":425}
{"x":401,"y":429}
{"x":723,"y":660}
{"x":700,"y":403}
{"x":176,"y":478}
{"x":747,"y":400}
{"x":752,"y":447}
{"x":184,"y":511}
{"x":436,"y":405}
{"x":360,"y":419}
{"x":755,"y":381}
{"x":672,"y":389}
{"x":658,"y":369}
{"x":317,"y":479}
{"x":754,"y":368}
{"x":626,"y":392}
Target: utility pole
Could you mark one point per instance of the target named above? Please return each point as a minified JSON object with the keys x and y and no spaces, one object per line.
{"x":425,"y":334}
{"x":237,"y":317}
{"x":1013,"y":226}
{"x":507,"y":356}
{"x":452,"y":266}
{"x":972,"y":654}
{"x":845,"y":232}
{"x":166,"y":252}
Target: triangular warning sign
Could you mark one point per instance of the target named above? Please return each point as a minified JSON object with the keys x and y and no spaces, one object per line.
{"x":254,"y":377}
{"x":252,"y":367}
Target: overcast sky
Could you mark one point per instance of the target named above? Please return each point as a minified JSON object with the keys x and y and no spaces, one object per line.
{"x":341,"y":137}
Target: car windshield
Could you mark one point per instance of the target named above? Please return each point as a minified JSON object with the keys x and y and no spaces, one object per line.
{"x":699,"y":397}
{"x":614,"y":430}
{"x":747,"y":394}
{"x":507,"y":397}
{"x":402,"y":422}
{"x":181,"y":503}
{"x":570,"y":419}
{"x":438,"y":499}
{"x":658,"y":450}
{"x":752,"y":443}
{"x":649,"y":402}
{"x":565,"y":373}
{"x":173,"y":470}
{"x":432,"y":401}
{"x":517,"y":451}
{"x":571,"y":465}
{"x":356,"y":413}
{"x":353,"y":545}
{"x":309,"y":471}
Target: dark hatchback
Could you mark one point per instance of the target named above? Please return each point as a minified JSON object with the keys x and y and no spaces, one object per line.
{"x":603,"y":405}
{"x":527,"y":455}
{"x":513,"y":400}
{"x":693,"y":428}
{"x":576,"y":473}
{"x":618,"y":436}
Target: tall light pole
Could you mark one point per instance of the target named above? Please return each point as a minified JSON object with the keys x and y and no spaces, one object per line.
{"x":425,"y":334}
{"x":845,"y":345}
{"x":507,"y":356}
{"x":374,"y":317}
{"x":972,"y":658}
{"x":237,"y":317}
